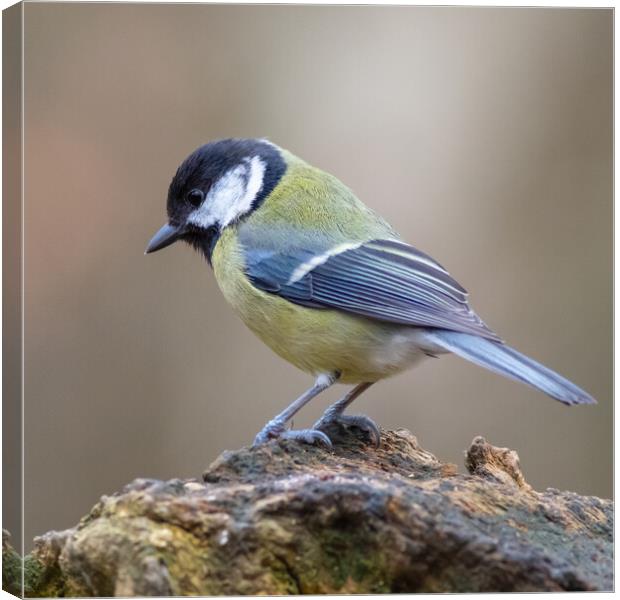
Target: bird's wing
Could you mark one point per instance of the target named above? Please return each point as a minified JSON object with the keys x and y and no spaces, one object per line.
{"x":381,"y":279}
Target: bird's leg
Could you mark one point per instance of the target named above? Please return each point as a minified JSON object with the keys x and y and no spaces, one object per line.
{"x":276,"y":428}
{"x":334,"y":414}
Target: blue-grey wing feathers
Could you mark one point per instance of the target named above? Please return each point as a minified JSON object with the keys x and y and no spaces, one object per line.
{"x":380,"y":279}
{"x":393,"y":282}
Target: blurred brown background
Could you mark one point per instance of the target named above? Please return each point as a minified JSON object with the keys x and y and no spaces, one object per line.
{"x":484,"y":135}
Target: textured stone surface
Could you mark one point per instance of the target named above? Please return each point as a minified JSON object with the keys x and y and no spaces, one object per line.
{"x":287,"y":519}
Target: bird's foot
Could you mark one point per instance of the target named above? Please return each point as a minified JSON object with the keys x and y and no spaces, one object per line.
{"x":362,"y":422}
{"x":277,"y":430}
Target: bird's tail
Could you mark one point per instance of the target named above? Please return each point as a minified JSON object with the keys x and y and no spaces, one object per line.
{"x":508,"y":362}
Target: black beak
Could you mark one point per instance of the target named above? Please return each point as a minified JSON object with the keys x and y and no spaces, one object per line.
{"x":167,"y":235}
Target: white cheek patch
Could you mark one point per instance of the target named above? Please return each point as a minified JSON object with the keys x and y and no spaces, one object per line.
{"x":231,"y":196}
{"x":253,"y":184}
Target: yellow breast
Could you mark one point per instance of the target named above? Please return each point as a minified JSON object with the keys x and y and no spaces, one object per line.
{"x":314,"y":340}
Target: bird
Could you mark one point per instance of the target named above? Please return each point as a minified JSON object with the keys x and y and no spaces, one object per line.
{"x":326,"y":282}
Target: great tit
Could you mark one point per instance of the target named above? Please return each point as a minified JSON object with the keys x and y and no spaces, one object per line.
{"x":325,"y":282}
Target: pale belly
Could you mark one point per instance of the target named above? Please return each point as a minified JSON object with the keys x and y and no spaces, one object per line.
{"x":326,"y":341}
{"x":357,"y":348}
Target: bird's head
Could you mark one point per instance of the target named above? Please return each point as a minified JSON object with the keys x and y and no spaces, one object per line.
{"x":215,"y":186}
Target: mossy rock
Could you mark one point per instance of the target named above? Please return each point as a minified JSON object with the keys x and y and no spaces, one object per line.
{"x":287,"y":519}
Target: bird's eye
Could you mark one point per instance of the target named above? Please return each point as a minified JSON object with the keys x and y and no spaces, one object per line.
{"x":195,"y":197}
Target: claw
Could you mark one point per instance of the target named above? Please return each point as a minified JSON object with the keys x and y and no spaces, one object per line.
{"x":276,"y":430}
{"x":308,"y":436}
{"x":362,"y":422}
{"x":273,"y":429}
{"x":366,"y":424}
